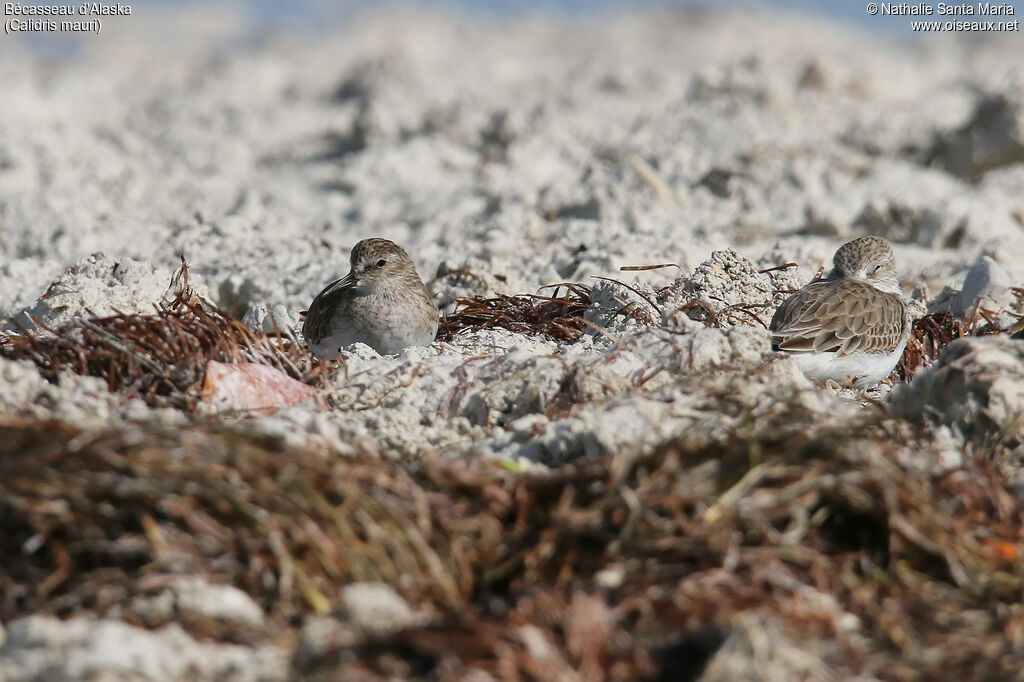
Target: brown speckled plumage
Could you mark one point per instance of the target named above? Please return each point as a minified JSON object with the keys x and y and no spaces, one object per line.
{"x":843,"y":316}
{"x":852,"y":325}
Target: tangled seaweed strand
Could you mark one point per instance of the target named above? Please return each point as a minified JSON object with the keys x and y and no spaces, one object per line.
{"x":625,"y":566}
{"x":929,"y":336}
{"x":557,"y":317}
{"x":160,"y":358}
{"x":1017,"y":329}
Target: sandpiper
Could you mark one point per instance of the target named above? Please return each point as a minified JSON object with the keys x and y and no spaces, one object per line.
{"x":381,"y":302}
{"x":852,"y":325}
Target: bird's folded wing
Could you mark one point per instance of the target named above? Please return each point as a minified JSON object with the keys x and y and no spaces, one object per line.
{"x":843,"y":316}
{"x":318,"y":317}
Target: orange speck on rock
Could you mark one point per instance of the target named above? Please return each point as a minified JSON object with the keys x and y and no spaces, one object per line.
{"x":1001,"y":550}
{"x":249,"y":386}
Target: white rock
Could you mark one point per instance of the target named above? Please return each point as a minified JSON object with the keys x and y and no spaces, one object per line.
{"x":195,"y":596}
{"x":97,"y":286}
{"x":986,"y":285}
{"x":79,"y":400}
{"x":320,"y":635}
{"x":725,"y":290}
{"x":975,"y":386}
{"x":43,"y":647}
{"x":375,"y":608}
{"x":536,"y":642}
{"x":619,"y":308}
{"x":279,"y":318}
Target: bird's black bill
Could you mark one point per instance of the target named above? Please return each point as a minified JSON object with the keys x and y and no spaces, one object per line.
{"x":337,"y":285}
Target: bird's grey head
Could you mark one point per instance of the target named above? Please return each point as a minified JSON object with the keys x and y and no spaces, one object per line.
{"x":377,"y":261}
{"x":869,"y":259}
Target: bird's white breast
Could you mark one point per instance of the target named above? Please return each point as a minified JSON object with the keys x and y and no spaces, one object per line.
{"x":860,"y":370}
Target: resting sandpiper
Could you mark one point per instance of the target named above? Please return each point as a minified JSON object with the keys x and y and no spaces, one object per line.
{"x":381,"y":302}
{"x":852,"y":325}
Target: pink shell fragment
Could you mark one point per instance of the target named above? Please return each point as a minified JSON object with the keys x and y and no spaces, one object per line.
{"x":248,"y":386}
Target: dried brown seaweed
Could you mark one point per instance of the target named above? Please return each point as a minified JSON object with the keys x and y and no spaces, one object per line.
{"x":1017,"y":328}
{"x":160,"y":358}
{"x":554,"y":316}
{"x":614,"y":564}
{"x":930,"y":335}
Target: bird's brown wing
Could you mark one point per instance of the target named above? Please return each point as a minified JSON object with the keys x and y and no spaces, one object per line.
{"x":317,"y":325}
{"x":842,"y":316}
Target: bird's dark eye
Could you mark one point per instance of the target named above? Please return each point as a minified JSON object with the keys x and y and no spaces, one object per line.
{"x":877,"y":268}
{"x":381,"y":263}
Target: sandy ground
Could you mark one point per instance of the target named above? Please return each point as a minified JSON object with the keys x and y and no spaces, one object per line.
{"x":527,"y":153}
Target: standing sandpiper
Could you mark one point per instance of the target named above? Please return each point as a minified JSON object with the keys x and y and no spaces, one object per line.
{"x":852,"y":325}
{"x":381,"y":302}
